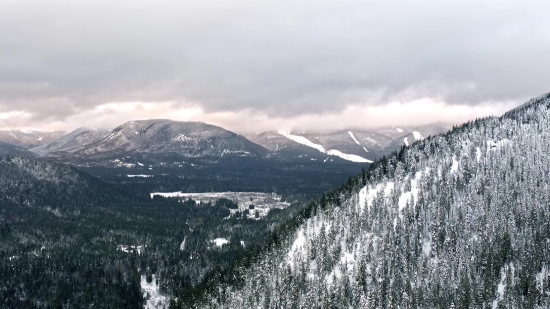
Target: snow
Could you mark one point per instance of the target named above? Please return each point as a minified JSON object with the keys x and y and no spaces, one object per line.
{"x":417,"y":135}
{"x":151,"y":292}
{"x":426,"y":247}
{"x":142,"y":176}
{"x":140,"y":164}
{"x":304,"y":141}
{"x":399,"y":130}
{"x":219,"y":242}
{"x":541,"y":277}
{"x":349,"y":157}
{"x":501,"y":286}
{"x":410,"y":196}
{"x":298,"y":247}
{"x":496,"y":145}
{"x":406,"y":140}
{"x":241,"y":153}
{"x":367,"y":194}
{"x":182,"y":246}
{"x":40,"y":138}
{"x":365,"y":149}
{"x":353,"y":137}
{"x":454,"y":167}
{"x":242,"y":244}
{"x":168,"y":194}
{"x":130,"y":249}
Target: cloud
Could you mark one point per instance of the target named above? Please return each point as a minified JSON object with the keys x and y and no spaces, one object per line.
{"x":275,"y":59}
{"x":248,"y":121}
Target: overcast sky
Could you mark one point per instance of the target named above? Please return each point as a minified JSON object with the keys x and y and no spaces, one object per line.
{"x":258,"y":65}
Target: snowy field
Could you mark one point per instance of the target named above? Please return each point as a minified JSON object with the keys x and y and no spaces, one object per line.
{"x":262,"y":202}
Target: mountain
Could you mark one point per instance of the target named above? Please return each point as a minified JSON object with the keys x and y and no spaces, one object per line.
{"x":9,"y":149}
{"x":459,"y":220}
{"x":362,"y":146}
{"x":163,"y":137}
{"x":75,"y":139}
{"x":28,"y":139}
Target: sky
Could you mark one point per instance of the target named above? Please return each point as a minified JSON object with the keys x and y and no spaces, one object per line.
{"x":253,"y":66}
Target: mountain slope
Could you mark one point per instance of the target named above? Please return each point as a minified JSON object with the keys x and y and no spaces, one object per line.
{"x":33,"y":183}
{"x":9,"y":149}
{"x":28,"y":139}
{"x":459,"y":220}
{"x":75,"y":139}
{"x":186,"y":139}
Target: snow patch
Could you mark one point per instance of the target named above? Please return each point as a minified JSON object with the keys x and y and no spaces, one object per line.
{"x":142,"y":176}
{"x":219,"y":242}
{"x":541,"y":277}
{"x":399,"y":130}
{"x":151,"y":292}
{"x":454,"y":167}
{"x":426,"y":247}
{"x":304,"y":141}
{"x":496,"y":145}
{"x":367,"y":194}
{"x":353,"y":137}
{"x":501,"y":286}
{"x":349,"y":157}
{"x":298,"y":247}
{"x":417,"y":135}
{"x":182,"y":246}
{"x":131,"y":249}
{"x":406,"y":141}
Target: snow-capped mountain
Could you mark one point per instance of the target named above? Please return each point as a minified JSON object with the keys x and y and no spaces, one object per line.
{"x":186,"y":139}
{"x":28,"y":139}
{"x":352,"y":145}
{"x":459,"y":220}
{"x":75,"y":139}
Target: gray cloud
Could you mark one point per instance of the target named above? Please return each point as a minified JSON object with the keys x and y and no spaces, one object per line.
{"x":276,"y":57}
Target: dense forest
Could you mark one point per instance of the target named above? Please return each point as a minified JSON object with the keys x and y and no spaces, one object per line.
{"x":459,"y":220}
{"x":69,"y":240}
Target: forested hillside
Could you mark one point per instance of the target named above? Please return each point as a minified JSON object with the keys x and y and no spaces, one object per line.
{"x":459,"y":220}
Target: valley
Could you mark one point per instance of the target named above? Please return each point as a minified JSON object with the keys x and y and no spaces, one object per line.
{"x":250,"y":154}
